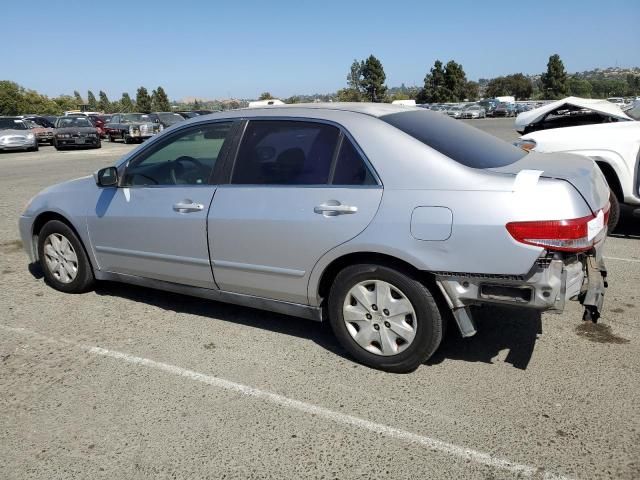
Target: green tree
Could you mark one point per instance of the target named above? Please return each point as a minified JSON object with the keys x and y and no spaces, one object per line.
{"x":373,"y":78}
{"x":104,"y":105}
{"x":160,"y":101}
{"x":196,"y":105}
{"x":516,"y":85}
{"x":471,"y":90}
{"x":292,"y":99}
{"x":65,"y":103}
{"x":579,"y":87}
{"x":554,"y":80}
{"x":455,"y":81}
{"x":434,"y":90}
{"x":78,"y":97}
{"x":143,"y":100}
{"x":126,"y":104}
{"x":11,"y":98}
{"x":91,"y":100}
{"x":353,"y":92}
{"x":265,"y":96}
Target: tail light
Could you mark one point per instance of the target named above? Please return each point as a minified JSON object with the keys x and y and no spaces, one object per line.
{"x":574,"y":235}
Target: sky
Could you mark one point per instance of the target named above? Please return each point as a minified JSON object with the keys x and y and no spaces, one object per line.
{"x":240,"y":48}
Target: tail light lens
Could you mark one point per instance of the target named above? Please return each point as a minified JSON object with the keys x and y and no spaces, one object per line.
{"x":574,"y":235}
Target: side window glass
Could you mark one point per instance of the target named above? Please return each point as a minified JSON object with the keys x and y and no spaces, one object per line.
{"x":285,"y":153}
{"x":187,"y":158}
{"x":350,"y":167}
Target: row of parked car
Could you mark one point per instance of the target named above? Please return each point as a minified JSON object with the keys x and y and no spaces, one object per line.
{"x":85,"y":129}
{"x":481,"y":109}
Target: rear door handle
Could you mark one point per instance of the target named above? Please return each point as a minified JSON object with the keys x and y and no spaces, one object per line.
{"x":187,"y":206}
{"x":332,"y":210}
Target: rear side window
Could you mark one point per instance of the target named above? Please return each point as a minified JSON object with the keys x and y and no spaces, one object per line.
{"x":350,"y":167}
{"x":285,"y":153}
{"x":460,"y":142}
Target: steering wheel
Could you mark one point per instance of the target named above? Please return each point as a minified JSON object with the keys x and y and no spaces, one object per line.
{"x":176,"y":166}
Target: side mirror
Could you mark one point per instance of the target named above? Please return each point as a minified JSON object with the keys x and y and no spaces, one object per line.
{"x":107,"y":177}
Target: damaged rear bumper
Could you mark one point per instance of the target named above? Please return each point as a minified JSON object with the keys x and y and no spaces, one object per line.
{"x":554,"y":279}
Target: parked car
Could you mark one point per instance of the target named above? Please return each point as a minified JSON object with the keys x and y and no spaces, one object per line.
{"x":99,"y":122}
{"x":203,"y":112}
{"x":15,"y":135}
{"x":569,"y":112}
{"x":455,"y":111}
{"x":466,"y":219}
{"x":47,"y":122}
{"x":504,"y":110}
{"x":473,"y":111}
{"x":131,"y":127}
{"x":188,"y":115}
{"x":166,"y":119}
{"x":615,"y":148}
{"x":76,"y":132}
{"x":489,"y":106}
{"x":43,"y":134}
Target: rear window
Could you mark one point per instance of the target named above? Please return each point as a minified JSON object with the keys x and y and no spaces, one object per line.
{"x":460,"y":142}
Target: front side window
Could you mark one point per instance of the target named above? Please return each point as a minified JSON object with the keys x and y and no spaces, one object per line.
{"x":279,"y":152}
{"x":187,"y":158}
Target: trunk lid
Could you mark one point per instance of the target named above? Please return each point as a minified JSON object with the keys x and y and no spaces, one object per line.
{"x":581,"y":172}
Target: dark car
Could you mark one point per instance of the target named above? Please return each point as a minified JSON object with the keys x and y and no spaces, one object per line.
{"x":166,"y":119}
{"x":203,"y":112}
{"x":188,"y":115}
{"x":131,"y":127}
{"x":504,"y":110}
{"x":76,"y":132}
{"x":489,"y":106}
{"x":46,"y":122}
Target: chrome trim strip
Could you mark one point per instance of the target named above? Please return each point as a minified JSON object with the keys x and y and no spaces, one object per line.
{"x":152,"y":256}
{"x":261,"y":303}
{"x":258,"y":268}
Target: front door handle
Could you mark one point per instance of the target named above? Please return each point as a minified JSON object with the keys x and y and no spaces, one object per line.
{"x":331,"y":210}
{"x":187,"y":206}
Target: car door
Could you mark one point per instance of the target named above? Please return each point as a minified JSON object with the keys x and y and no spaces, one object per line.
{"x":297,"y":190}
{"x":154,"y":223}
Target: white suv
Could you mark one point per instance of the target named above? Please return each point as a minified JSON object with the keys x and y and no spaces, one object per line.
{"x":615,"y":147}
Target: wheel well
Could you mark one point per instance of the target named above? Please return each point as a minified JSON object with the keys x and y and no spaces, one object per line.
{"x":45,"y":217}
{"x":612,"y":179}
{"x":332,"y":270}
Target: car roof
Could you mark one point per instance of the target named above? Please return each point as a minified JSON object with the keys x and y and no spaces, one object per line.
{"x":371,"y":109}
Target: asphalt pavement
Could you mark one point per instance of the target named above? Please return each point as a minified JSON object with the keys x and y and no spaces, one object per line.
{"x":128,"y":382}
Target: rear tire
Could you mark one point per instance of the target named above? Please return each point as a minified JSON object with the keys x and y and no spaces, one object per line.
{"x":614,"y":212}
{"x":63,"y":259}
{"x":420,"y":332}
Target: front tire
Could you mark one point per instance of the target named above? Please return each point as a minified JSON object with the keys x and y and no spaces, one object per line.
{"x":63,"y":259}
{"x":614,"y":212}
{"x":384,"y":318}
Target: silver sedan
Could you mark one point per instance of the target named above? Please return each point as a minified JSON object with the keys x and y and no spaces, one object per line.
{"x":383,"y":220}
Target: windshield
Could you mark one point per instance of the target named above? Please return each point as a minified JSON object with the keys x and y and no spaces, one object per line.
{"x":170,"y":118}
{"x":634,"y":112}
{"x":12,"y":124}
{"x":460,"y":142}
{"x":66,"y":122}
{"x":135,"y":117}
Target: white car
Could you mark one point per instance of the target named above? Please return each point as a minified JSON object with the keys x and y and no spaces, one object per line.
{"x":615,"y":147}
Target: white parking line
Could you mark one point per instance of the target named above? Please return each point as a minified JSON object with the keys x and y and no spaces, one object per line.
{"x":623,"y":259}
{"x":433,"y":444}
